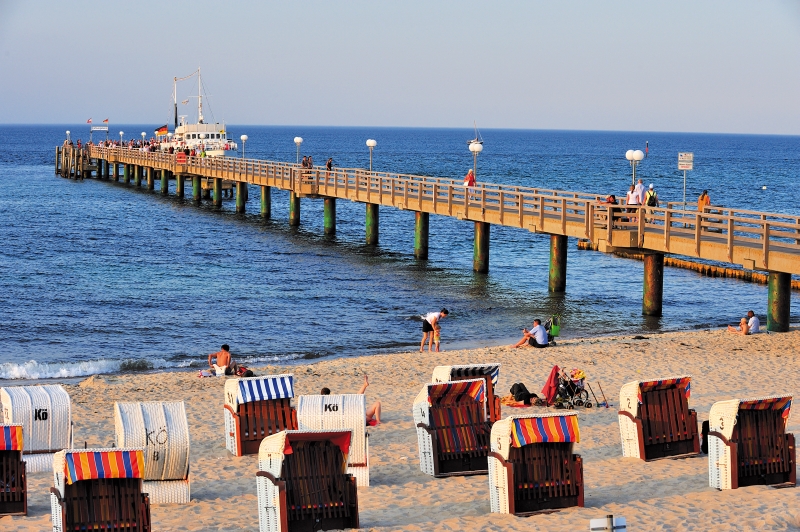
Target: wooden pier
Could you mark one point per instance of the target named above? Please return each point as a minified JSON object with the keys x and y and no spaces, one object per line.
{"x":754,"y":240}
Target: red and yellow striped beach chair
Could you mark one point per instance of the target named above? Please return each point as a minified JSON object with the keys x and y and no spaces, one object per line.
{"x":13,"y":483}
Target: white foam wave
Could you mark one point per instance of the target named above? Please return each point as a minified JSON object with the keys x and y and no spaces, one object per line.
{"x":44,"y":370}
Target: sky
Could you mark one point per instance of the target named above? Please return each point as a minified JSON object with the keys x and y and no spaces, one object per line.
{"x":714,"y":66}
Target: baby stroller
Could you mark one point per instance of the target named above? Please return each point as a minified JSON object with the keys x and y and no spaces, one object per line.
{"x":566,"y":391}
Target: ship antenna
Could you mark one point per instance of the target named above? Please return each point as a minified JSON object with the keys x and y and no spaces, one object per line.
{"x":175,"y":99}
{"x":199,"y":99}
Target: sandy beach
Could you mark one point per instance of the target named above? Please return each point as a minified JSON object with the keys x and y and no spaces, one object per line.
{"x":661,"y":495}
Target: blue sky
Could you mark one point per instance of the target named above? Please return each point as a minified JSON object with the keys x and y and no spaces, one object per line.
{"x":713,"y":66}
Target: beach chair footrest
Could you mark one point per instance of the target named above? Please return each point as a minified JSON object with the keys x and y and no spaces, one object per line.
{"x":464,"y":465}
{"x":672,"y":449}
{"x":534,"y":506}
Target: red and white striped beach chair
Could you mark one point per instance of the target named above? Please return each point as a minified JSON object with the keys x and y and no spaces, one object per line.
{"x":488,"y":372}
{"x":748,"y":443}
{"x":452,"y":428}
{"x":532,"y":467}
{"x":13,"y":483}
{"x":655,"y":420}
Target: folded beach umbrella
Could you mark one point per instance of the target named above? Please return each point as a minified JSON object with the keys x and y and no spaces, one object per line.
{"x":551,"y":386}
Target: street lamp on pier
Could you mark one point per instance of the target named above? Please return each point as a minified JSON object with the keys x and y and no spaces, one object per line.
{"x":298,"y":141}
{"x":244,"y":140}
{"x":143,"y":136}
{"x":68,"y":139}
{"x":475,"y":148}
{"x":371,"y":143}
{"x":635,"y":157}
{"x":120,"y":137}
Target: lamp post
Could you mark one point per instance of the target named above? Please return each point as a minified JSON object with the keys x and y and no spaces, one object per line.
{"x":635,"y":157}
{"x":298,"y":141}
{"x":475,"y":148}
{"x":371,"y":143}
{"x":244,"y":140}
{"x":68,"y":139}
{"x":120,"y":137}
{"x":143,"y":136}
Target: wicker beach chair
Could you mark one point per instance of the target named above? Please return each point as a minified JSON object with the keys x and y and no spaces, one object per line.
{"x":532,"y":467}
{"x":489,"y":372}
{"x":748,"y":444}
{"x":99,"y":489}
{"x":256,"y":407}
{"x":13,"y":482}
{"x":45,"y":412}
{"x":452,"y":428}
{"x":302,"y":484}
{"x":338,"y":412}
{"x":655,"y":420}
{"x":162,"y":431}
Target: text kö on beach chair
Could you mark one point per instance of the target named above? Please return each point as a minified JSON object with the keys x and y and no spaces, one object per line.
{"x":340,"y":412}
{"x":302,"y":483}
{"x":452,"y":428}
{"x":13,"y":483}
{"x":748,"y":444}
{"x":488,"y":372}
{"x":161,"y":429}
{"x":256,"y":407}
{"x":655,"y":420}
{"x":99,"y":489}
{"x":45,"y":412}
{"x":532,"y":467}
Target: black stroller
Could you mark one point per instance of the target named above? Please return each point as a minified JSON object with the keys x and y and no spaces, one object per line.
{"x":571,"y":391}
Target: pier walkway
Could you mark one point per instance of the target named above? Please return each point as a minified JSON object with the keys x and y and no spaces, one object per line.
{"x":754,"y":240}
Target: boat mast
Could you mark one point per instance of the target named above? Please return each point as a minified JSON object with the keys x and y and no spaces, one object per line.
{"x":199,"y":99}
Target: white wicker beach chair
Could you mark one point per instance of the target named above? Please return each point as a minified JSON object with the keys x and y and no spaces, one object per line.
{"x":491,"y":372}
{"x":13,"y":480}
{"x":337,"y":412}
{"x":302,"y":483}
{"x":532,"y":467}
{"x":748,"y":443}
{"x":655,"y":420}
{"x":161,"y":429}
{"x":452,"y":428}
{"x":45,"y":412}
{"x":99,"y":489}
{"x":256,"y":407}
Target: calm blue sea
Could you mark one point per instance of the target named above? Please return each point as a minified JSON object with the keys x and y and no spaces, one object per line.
{"x":99,"y":278}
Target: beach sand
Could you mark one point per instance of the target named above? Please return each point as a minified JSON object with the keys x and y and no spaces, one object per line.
{"x":661,"y":495}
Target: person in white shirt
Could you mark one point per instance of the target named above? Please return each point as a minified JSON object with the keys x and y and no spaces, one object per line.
{"x":537,"y":336}
{"x":429,"y":322}
{"x":640,"y":192}
{"x":752,"y":322}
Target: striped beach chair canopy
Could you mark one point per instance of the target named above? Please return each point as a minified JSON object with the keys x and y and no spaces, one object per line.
{"x":529,"y":429}
{"x":448,"y":373}
{"x":250,"y":389}
{"x":87,"y":464}
{"x":723,"y":414}
{"x":630,"y":395}
{"x":11,"y":437}
{"x":453,"y":392}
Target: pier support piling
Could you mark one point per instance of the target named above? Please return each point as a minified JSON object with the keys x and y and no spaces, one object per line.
{"x":58,"y":158}
{"x":115,"y":171}
{"x":373,"y":223}
{"x":196,"y":189}
{"x":480,"y":253}
{"x":164,"y":182}
{"x":653,"y":288}
{"x":329,"y":216}
{"x":241,"y":196}
{"x":106,"y":170}
{"x":217,"y":192}
{"x":179,"y":185}
{"x":558,"y":264}
{"x":137,"y":175}
{"x":266,"y":201}
{"x":294,"y":209}
{"x":779,"y":301}
{"x":151,"y":181}
{"x":421,"y":225}
{"x":126,"y":174}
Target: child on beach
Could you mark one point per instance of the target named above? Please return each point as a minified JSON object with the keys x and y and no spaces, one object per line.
{"x":436,"y":335}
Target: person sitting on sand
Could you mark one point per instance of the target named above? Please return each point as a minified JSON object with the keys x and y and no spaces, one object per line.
{"x":373,"y":412}
{"x":753,"y":323}
{"x":742,"y":329}
{"x":537,"y":336}
{"x":224,"y":365}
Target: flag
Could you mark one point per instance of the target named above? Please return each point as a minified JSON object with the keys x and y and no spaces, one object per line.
{"x":105,"y":121}
{"x":89,"y":121}
{"x":162,"y":130}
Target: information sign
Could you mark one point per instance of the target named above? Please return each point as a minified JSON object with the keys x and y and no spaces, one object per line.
{"x":685,"y":161}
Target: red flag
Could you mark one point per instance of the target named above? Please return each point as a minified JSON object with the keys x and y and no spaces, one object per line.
{"x":89,"y":121}
{"x":105,"y":121}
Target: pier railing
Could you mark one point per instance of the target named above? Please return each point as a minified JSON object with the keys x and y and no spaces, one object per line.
{"x":750,"y":238}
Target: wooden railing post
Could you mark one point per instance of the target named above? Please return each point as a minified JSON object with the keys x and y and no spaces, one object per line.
{"x":730,"y":238}
{"x":765,"y":249}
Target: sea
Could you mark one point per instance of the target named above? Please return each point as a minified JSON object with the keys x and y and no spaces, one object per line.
{"x":96,"y":277}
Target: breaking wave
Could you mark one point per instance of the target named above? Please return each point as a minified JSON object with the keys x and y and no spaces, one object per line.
{"x":45,"y":370}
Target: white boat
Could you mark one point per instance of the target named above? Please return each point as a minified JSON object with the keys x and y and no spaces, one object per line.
{"x":211,"y":138}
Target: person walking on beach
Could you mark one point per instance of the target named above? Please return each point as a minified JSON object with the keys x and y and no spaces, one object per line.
{"x":373,"y":411}
{"x":703,"y":201}
{"x":536,"y":337}
{"x":223,"y":364}
{"x":429,"y":323}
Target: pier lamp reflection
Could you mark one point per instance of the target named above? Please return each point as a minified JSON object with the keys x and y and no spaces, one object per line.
{"x":371,"y":143}
{"x":244,"y":139}
{"x":635,"y":157}
{"x":475,"y":148}
{"x":298,"y":141}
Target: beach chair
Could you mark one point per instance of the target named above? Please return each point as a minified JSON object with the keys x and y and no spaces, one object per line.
{"x":99,"y":489}
{"x":45,"y":413}
{"x":162,"y":431}
{"x":256,"y":407}
{"x":655,"y":420}
{"x":532,"y":467}
{"x":489,"y":372}
{"x":748,"y":444}
{"x":338,"y":412}
{"x":452,"y":428}
{"x":302,"y":484}
{"x":13,"y":483}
